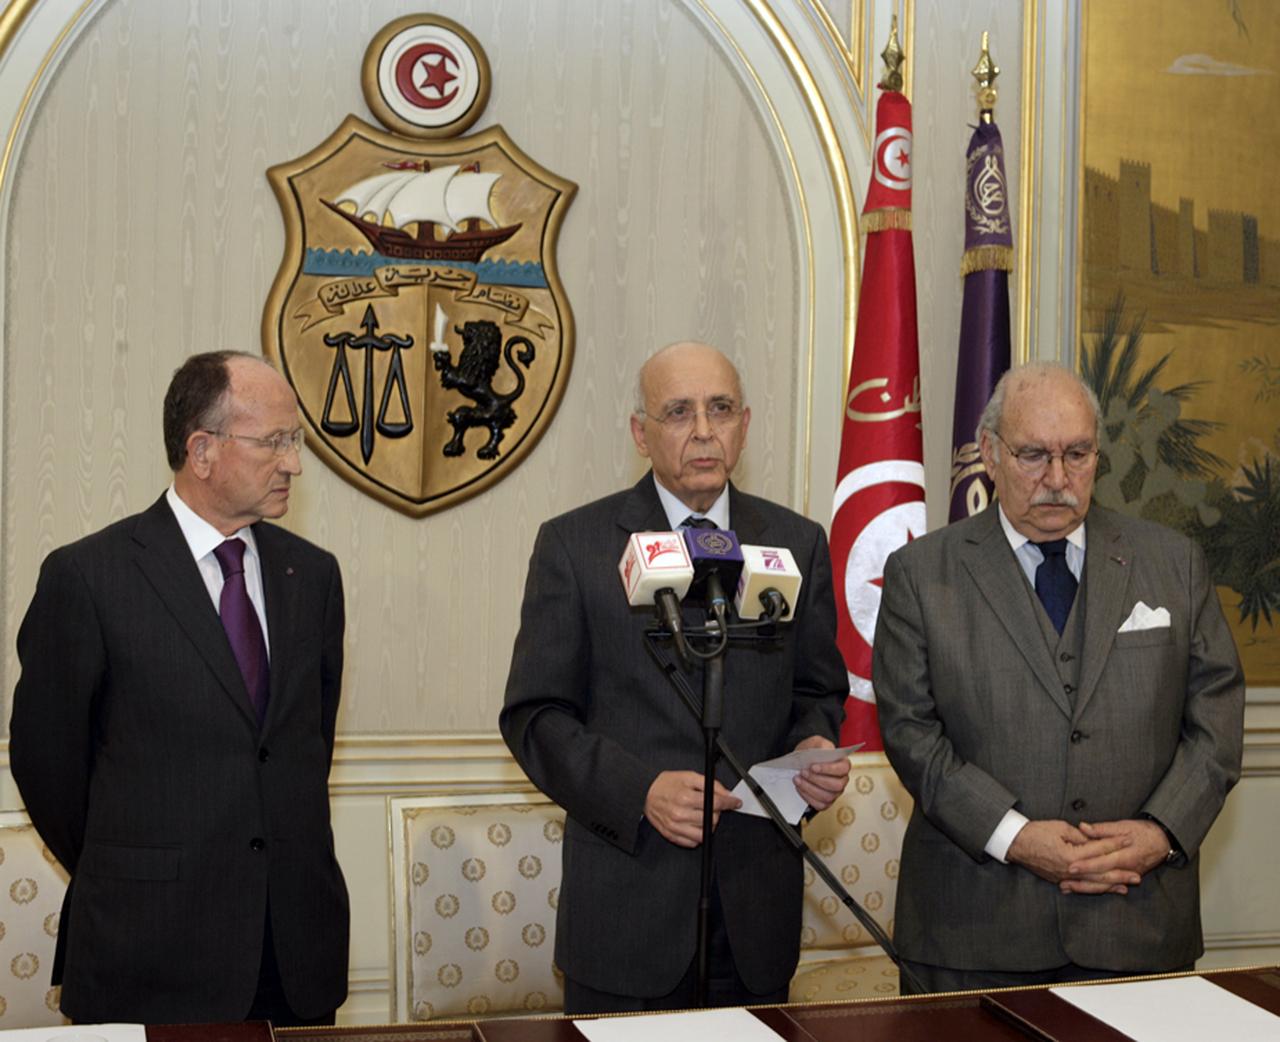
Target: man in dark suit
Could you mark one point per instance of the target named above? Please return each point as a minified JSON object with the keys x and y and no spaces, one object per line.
{"x":173,"y":727}
{"x":596,"y":726}
{"x":1060,"y":693}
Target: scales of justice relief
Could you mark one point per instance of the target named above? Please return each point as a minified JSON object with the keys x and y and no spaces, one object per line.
{"x":417,"y":311}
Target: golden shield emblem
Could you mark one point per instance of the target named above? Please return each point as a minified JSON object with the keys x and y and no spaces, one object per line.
{"x":418,"y":312}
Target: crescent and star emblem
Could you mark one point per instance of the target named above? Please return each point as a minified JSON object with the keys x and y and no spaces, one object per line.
{"x":437,"y":75}
{"x":893,"y":158}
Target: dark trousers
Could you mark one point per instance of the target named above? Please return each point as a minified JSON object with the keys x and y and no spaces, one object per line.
{"x":724,"y":986}
{"x":944,"y":978}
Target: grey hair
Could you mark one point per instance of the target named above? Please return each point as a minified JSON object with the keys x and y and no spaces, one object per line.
{"x":993,"y":414}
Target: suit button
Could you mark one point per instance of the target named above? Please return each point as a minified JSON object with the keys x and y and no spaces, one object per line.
{"x":1077,"y":805}
{"x":263,"y":755}
{"x":257,"y":843}
{"x":1067,"y":688}
{"x":1066,"y":656}
{"x":1077,"y":736}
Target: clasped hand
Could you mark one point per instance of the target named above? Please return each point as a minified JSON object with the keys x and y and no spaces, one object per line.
{"x":1103,"y":858}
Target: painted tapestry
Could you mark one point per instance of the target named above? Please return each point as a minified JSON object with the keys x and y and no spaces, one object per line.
{"x":1180,"y":285}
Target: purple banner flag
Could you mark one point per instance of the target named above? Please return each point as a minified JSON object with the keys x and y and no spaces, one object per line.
{"x":984,"y":319}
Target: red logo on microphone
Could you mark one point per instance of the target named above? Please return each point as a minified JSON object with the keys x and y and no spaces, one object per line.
{"x":772,"y":561}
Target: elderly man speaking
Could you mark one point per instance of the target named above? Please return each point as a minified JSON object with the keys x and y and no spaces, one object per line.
{"x":596,"y":726}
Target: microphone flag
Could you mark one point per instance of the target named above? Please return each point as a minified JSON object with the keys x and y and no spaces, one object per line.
{"x":879,"y":498}
{"x":984,"y":318}
{"x":713,"y":550}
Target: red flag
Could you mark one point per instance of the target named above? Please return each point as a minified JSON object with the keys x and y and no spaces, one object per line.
{"x":879,"y":499}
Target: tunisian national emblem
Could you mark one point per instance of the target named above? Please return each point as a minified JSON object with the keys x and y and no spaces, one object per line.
{"x":418,"y":312}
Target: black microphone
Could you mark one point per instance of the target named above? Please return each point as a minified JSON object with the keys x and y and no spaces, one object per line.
{"x":717,"y":563}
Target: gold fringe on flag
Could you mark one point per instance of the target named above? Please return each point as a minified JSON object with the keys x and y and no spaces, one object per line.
{"x":987,"y":258}
{"x":890,"y":219}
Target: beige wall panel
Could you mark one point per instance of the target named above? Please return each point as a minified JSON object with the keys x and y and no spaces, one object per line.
{"x":142,"y":228}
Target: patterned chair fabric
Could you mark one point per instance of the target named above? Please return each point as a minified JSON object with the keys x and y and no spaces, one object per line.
{"x":475,"y":882}
{"x":32,"y":884}
{"x":860,"y":839}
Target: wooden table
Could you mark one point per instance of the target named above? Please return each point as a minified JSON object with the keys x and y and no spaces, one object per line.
{"x":924,"y":1018}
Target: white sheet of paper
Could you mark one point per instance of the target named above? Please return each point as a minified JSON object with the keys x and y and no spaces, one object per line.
{"x":78,"y":1033}
{"x":775,"y":777}
{"x":1180,"y":1009}
{"x":704,"y":1025}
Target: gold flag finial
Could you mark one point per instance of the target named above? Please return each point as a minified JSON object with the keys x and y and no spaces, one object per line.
{"x":893,"y":59}
{"x":985,"y":72}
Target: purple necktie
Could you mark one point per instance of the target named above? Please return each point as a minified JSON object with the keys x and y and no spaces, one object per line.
{"x":240,"y":620}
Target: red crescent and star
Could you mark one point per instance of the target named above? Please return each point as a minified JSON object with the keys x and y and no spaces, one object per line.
{"x":438,"y":76}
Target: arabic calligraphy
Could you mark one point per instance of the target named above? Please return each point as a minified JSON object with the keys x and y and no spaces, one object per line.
{"x":910,"y":401}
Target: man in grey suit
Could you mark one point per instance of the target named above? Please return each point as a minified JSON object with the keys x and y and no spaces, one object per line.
{"x":1059,"y":691}
{"x":173,"y":728}
{"x":596,"y":726}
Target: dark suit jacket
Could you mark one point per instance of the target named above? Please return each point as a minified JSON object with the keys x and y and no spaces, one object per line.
{"x":139,"y":757}
{"x":593,"y":722}
{"x":976,"y":721}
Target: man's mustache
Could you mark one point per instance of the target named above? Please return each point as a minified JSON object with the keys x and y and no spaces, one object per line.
{"x":1055,"y":497}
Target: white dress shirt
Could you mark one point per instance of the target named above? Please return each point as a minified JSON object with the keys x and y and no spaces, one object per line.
{"x":202,"y":538}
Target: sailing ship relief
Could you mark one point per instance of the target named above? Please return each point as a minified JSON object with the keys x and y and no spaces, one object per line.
{"x":417,"y":311}
{"x":451,"y":197}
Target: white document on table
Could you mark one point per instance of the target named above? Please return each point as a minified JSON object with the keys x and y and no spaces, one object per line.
{"x":775,"y":777}
{"x":1179,"y":1009}
{"x":704,"y":1025}
{"x":78,"y":1033}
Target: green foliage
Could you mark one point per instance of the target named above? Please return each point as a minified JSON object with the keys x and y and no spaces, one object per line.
{"x":1151,"y":459}
{"x":1244,"y":549}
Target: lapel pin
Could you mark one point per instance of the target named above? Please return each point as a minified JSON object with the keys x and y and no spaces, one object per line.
{"x":1119,"y":560}
{"x":289,"y":570}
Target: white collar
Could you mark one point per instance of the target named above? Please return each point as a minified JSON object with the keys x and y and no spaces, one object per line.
{"x":201,"y":536}
{"x":1017,"y":540}
{"x":677,"y":511}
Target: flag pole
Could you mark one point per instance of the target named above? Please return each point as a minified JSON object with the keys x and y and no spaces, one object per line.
{"x":984,"y":348}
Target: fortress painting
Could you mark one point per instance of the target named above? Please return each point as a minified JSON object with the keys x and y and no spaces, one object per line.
{"x":1179,"y":309}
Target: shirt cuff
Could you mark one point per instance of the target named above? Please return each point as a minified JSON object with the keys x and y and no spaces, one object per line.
{"x":1006,"y":832}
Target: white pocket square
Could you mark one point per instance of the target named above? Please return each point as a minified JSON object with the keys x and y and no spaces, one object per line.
{"x":1144,"y":618}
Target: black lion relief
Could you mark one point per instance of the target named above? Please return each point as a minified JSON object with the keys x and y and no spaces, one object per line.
{"x":473,"y":377}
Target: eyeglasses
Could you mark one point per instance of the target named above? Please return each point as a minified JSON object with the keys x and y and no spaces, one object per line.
{"x":721,"y":414}
{"x":1034,"y":461}
{"x":280,"y":444}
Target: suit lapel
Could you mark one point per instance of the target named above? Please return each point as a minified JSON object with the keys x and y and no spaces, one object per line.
{"x":166,"y":562}
{"x":748,"y":523}
{"x":1108,"y":560}
{"x":280,"y":591}
{"x":642,"y":509}
{"x":998,"y":577}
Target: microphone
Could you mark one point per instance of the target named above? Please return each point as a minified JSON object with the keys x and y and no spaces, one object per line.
{"x":655,"y":569}
{"x":717,"y":562}
{"x":770,"y":579}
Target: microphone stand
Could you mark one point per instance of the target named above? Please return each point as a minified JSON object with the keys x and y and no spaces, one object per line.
{"x":712,"y":708}
{"x":712,"y":717}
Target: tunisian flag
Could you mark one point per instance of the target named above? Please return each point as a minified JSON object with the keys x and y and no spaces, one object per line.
{"x":879,"y":500}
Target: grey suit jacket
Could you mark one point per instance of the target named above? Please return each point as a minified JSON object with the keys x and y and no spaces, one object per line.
{"x":142,"y":765}
{"x":593,"y":722}
{"x":975,"y":721}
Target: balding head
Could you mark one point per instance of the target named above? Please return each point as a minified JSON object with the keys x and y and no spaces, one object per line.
{"x":690,"y":421}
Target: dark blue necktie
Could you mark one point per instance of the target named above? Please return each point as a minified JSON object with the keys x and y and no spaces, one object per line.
{"x":240,"y":620}
{"x":1055,"y":585}
{"x":692,"y":521}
